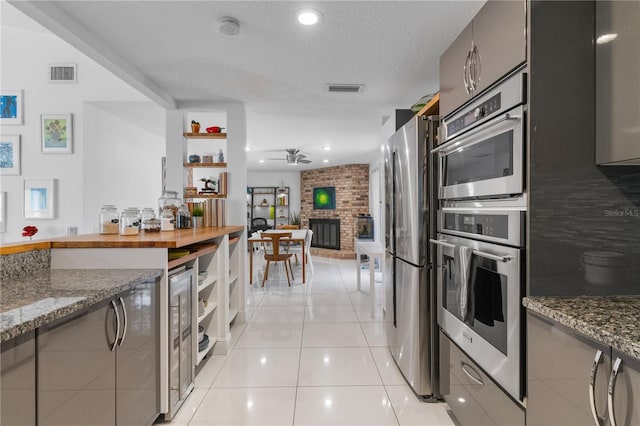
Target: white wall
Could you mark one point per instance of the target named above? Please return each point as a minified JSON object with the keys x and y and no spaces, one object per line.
{"x":26,"y":51}
{"x":124,"y":145}
{"x":290,"y":179}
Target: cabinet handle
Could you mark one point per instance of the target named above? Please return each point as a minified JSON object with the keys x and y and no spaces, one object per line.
{"x":466,"y":71}
{"x":474,"y":68}
{"x":592,"y":384}
{"x":617,"y":366}
{"x":126,"y":321}
{"x":115,"y":340}
{"x":463,"y":365}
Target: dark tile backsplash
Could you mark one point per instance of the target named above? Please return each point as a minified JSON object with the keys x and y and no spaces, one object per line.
{"x":573,"y":219}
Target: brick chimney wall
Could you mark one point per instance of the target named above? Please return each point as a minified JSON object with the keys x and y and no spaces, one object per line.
{"x":352,"y":198}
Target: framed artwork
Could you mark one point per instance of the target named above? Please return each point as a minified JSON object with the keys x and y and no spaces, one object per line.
{"x":324,"y":198}
{"x":10,"y":155}
{"x":3,"y":211}
{"x":10,"y":107}
{"x":39,"y":199}
{"x":57,"y":133}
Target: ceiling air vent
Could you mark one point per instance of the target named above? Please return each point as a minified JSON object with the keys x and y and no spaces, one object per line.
{"x":62,"y":73}
{"x":345,"y":88}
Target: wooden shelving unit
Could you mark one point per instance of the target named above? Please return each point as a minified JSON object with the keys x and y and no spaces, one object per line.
{"x":205,"y":165}
{"x":205,"y":135}
{"x":196,"y":251}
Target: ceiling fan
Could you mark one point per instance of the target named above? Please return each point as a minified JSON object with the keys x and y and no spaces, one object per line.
{"x":293,"y":157}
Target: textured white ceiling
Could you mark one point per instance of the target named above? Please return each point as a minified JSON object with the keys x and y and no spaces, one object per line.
{"x":276,"y":66}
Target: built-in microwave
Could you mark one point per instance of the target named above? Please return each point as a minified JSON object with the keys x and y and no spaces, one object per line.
{"x":483,"y":152}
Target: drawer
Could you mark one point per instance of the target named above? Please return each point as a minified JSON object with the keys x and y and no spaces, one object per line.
{"x":474,"y":398}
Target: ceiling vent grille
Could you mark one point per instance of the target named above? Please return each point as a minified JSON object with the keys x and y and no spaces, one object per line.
{"x":345,"y":88}
{"x":63,"y":73}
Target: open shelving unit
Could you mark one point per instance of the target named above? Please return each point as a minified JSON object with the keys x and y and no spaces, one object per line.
{"x":190,"y":168}
{"x":270,"y":203}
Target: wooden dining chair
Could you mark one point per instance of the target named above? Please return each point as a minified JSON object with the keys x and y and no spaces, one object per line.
{"x":279,"y":253}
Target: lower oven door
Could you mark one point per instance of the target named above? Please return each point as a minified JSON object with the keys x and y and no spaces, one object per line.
{"x":483,"y":316}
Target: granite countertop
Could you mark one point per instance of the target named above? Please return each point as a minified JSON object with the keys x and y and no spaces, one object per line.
{"x":30,"y":302}
{"x":612,"y":320}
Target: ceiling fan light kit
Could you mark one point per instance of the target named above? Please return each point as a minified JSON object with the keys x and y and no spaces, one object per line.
{"x":293,"y":157}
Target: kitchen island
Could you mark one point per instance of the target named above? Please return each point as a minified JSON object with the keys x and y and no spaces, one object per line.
{"x":216,"y":255}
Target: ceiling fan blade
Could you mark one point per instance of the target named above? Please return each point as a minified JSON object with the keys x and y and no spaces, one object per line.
{"x":304,"y":161}
{"x":301,"y":156}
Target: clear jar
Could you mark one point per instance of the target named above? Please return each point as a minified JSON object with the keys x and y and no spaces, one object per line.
{"x":136,"y":211}
{"x":130,"y":222}
{"x":149,"y":222}
{"x":169,"y":199}
{"x":183,"y":220}
{"x":108,"y":219}
{"x":167,"y":219}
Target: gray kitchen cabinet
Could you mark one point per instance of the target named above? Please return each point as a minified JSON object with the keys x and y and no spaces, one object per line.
{"x":474,"y":398}
{"x":491,"y":46}
{"x":624,"y":390}
{"x":18,"y":381}
{"x":93,"y":371}
{"x":560,"y":363}
{"x":452,"y":73}
{"x":137,"y":359}
{"x":617,"y":83}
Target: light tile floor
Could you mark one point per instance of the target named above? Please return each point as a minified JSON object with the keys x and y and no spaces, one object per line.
{"x":309,"y":354}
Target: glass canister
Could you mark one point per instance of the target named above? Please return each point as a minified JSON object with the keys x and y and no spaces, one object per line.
{"x":184,"y":218}
{"x":136,"y":211}
{"x":108,"y":219}
{"x":149,"y":221}
{"x":167,"y":219}
{"x":169,"y":199}
{"x":129,"y":222}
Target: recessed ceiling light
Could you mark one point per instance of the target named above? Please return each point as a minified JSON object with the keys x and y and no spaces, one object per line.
{"x":326,"y":148}
{"x":606,"y":38}
{"x":261,"y":161}
{"x":247,"y":148}
{"x":325,"y":161}
{"x":309,"y":17}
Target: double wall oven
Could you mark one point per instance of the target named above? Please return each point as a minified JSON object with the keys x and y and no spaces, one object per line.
{"x":480,"y":240}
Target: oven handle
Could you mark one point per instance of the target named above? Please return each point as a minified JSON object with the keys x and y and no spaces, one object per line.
{"x":443,"y":243}
{"x":443,"y":149}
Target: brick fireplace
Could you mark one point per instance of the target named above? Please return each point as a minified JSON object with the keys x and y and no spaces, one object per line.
{"x":352,"y":198}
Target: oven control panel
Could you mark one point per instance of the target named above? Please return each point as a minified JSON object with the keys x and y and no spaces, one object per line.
{"x":478,"y":224}
{"x":481,"y":111}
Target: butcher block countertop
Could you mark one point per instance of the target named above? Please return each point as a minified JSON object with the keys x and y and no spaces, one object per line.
{"x":166,"y":239}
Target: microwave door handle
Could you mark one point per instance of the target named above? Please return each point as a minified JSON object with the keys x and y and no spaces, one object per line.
{"x":446,"y":148}
{"x":476,"y":252}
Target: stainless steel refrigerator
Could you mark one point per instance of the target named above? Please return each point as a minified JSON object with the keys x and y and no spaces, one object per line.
{"x":410,"y":290}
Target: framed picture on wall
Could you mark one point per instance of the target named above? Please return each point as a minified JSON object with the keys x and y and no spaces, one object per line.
{"x":57,"y":133}
{"x":10,"y":155}
{"x":39,"y":199}
{"x":10,"y":107}
{"x":324,"y":198}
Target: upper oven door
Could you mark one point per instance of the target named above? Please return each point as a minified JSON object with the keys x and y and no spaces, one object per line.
{"x":486,"y":162}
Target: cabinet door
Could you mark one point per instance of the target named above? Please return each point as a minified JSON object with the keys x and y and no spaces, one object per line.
{"x":18,"y":381}
{"x":626,"y":390}
{"x":76,"y":370}
{"x":500,"y":38}
{"x":137,"y":359}
{"x":452,"y":62}
{"x":559,"y":365}
{"x":617,"y":83}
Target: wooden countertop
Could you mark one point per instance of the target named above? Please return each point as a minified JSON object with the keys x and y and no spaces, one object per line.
{"x":170,"y":239}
